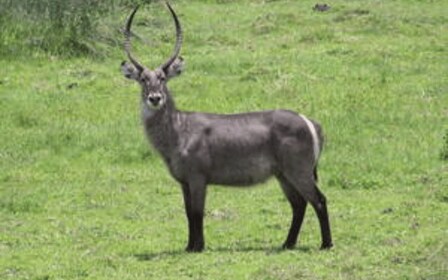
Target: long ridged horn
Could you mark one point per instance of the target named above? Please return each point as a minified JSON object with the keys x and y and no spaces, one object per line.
{"x":127,"y":41}
{"x":178,"y":39}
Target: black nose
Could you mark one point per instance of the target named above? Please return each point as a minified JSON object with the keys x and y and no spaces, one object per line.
{"x":154,"y":100}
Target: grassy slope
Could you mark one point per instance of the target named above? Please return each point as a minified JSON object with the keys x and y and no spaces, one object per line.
{"x":82,"y":196}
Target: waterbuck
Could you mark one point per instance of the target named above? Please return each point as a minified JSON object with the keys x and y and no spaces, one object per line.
{"x":235,"y":150}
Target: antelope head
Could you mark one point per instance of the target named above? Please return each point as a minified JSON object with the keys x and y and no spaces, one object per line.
{"x":153,"y":82}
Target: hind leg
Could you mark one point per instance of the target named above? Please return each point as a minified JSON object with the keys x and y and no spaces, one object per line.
{"x":298,"y":205}
{"x":319,"y":203}
{"x":305,"y":184}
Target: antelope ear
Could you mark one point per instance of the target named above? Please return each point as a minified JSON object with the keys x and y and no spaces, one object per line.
{"x":176,"y":68}
{"x":129,"y":70}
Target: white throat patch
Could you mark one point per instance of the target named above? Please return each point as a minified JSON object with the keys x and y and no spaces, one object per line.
{"x":147,"y":112}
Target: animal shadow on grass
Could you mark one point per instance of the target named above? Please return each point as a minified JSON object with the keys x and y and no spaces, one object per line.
{"x":173,"y":253}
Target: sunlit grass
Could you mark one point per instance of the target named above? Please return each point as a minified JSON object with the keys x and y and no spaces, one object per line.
{"x":82,"y":195}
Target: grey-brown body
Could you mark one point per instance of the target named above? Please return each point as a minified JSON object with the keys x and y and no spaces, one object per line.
{"x":235,"y":150}
{"x":200,"y":149}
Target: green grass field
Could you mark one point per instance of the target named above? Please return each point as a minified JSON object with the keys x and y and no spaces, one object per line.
{"x":82,"y":195}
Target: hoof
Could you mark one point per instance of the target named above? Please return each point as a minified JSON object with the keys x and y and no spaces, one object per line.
{"x":288,"y":246}
{"x":326,"y":246}
{"x":194,"y":249}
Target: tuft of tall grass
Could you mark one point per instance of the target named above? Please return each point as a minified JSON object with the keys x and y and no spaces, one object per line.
{"x":56,"y":27}
{"x":444,"y":151}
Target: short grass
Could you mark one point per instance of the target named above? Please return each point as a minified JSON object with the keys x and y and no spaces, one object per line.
{"x":82,"y":195}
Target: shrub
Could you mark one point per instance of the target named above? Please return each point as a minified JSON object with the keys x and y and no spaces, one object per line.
{"x":57,"y":27}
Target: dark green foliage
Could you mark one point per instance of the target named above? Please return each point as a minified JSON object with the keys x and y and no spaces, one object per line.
{"x":61,"y":27}
{"x":56,"y":27}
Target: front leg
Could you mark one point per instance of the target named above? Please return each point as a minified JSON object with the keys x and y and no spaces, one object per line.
{"x":187,"y":202}
{"x":194,"y":197}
